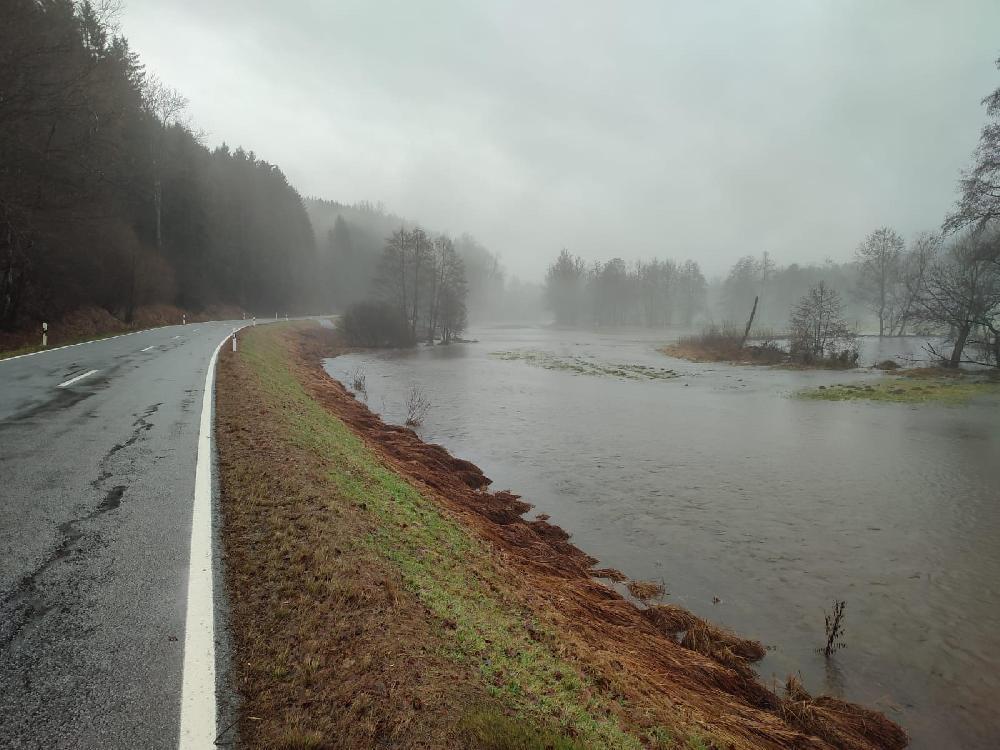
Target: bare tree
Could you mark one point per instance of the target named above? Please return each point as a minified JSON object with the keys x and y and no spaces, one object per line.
{"x":818,"y":328}
{"x":391,"y":281}
{"x":446,"y":291}
{"x":979,"y":203}
{"x":452,"y":313}
{"x":421,"y":254}
{"x":165,"y":105}
{"x":962,"y":291}
{"x":915,"y":265}
{"x":879,"y":259}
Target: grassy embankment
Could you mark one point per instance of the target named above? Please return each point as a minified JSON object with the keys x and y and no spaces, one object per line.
{"x":918,"y":386}
{"x":381,"y":597}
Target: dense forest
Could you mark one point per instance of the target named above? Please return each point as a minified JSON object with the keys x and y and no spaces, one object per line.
{"x":108,"y":198}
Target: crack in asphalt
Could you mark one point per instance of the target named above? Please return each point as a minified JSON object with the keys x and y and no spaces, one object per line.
{"x":26,"y":602}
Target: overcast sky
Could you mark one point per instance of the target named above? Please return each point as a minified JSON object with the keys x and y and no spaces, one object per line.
{"x":698,"y":129}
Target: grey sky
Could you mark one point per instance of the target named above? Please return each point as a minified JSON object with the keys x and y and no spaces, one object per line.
{"x":699,"y":129}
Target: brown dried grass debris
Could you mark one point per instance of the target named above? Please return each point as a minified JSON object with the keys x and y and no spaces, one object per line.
{"x":646,"y":590}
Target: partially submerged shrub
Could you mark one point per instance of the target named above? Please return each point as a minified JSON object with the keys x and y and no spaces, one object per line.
{"x":417,"y":405}
{"x":717,"y":342}
{"x":359,"y":381}
{"x":374,"y":324}
{"x":834,"y":624}
{"x":888,"y":364}
{"x":767,"y":352}
{"x":819,"y":334}
{"x":726,"y":343}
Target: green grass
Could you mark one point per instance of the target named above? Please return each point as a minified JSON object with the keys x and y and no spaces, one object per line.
{"x":450,"y":573}
{"x":905,"y":390}
{"x":586,"y":366}
{"x":492,"y":730}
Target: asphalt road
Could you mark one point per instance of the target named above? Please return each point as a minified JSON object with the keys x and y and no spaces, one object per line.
{"x":96,"y":491}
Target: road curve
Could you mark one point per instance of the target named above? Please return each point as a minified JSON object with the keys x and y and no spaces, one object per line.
{"x":98,"y":447}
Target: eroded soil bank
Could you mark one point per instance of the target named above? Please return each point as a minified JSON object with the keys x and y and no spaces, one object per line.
{"x":382,"y":596}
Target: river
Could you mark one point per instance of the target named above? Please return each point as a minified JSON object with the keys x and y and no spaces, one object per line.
{"x":719,"y":484}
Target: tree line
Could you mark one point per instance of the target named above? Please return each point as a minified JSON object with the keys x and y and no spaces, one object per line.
{"x":614,"y":293}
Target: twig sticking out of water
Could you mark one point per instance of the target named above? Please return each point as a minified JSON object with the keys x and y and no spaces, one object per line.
{"x":359,"y":381}
{"x":834,"y":623}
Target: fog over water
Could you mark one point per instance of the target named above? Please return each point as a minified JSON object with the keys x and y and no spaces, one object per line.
{"x":702,"y":130}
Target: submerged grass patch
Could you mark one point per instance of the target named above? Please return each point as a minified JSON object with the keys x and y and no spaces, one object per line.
{"x":905,"y":389}
{"x":586,"y":366}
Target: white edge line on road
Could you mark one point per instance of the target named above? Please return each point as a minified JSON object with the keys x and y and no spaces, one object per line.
{"x":92,"y":341}
{"x":148,"y":348}
{"x":70,"y":346}
{"x":78,"y":377}
{"x":198,"y":725}
{"x":130,"y":333}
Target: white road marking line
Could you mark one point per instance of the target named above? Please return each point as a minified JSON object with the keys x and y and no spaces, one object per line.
{"x":148,"y":348}
{"x":83,"y":343}
{"x":70,"y":346}
{"x":196,"y":330}
{"x":78,"y":377}
{"x":198,"y":725}
{"x":177,"y":336}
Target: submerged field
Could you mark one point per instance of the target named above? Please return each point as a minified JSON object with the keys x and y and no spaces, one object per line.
{"x":586,"y":365}
{"x":381,"y":595}
{"x":930,"y":385}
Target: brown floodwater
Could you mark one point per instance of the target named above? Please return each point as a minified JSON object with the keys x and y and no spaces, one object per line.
{"x":722,"y":486}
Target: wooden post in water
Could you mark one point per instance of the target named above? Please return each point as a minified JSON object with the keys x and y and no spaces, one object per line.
{"x":746,"y":333}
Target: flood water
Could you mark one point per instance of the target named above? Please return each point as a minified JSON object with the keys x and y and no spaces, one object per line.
{"x":719,"y":484}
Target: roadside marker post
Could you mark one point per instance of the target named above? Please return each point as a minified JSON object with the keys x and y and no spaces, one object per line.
{"x":45,"y":334}
{"x":254,"y":320}
{"x":234,"y":339}
{"x":184,"y":319}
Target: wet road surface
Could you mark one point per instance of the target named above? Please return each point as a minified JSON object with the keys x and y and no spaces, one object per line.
{"x":97,"y":460}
